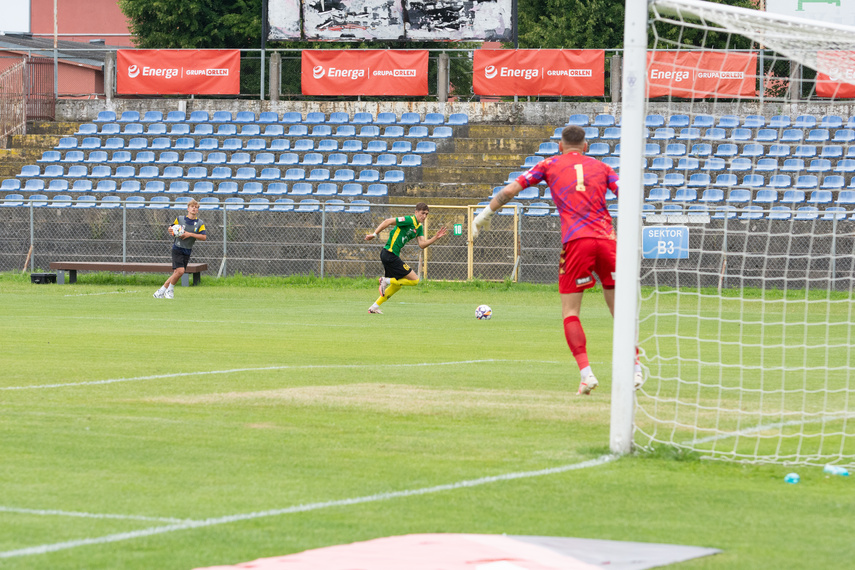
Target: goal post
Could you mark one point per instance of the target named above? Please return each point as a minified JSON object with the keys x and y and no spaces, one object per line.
{"x":746,"y":340}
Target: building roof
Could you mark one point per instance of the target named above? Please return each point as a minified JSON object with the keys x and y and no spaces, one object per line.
{"x":75,"y":52}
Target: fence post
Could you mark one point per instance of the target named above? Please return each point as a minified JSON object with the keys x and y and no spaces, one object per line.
{"x":109,"y":77}
{"x":124,"y":232}
{"x":323,"y":235}
{"x":275,"y":78}
{"x":442,"y":75}
{"x":615,"y":78}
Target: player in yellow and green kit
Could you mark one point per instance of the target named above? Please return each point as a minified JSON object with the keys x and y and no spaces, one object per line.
{"x":397,"y":273}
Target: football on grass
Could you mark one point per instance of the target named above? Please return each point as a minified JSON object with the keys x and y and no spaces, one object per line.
{"x":483,"y":312}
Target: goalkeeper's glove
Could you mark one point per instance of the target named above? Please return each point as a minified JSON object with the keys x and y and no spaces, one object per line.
{"x":482,"y":221}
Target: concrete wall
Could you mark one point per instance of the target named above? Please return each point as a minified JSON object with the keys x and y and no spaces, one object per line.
{"x":534,"y":113}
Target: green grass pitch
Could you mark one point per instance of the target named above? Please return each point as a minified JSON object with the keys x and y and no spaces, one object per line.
{"x":254,"y":417}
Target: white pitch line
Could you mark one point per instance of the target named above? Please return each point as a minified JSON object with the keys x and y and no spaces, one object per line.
{"x":43,"y":512}
{"x":265,"y":368}
{"x":45,"y":548}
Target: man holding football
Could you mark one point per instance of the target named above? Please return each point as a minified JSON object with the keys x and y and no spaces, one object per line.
{"x":578,"y":184}
{"x":185,"y":230}
{"x":398,"y":274}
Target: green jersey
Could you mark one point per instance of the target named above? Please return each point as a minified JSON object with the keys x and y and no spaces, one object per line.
{"x":406,"y":228}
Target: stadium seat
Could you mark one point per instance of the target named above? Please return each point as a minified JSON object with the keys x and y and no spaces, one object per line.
{"x":846,"y":136}
{"x":442,"y":133}
{"x":547,"y":149}
{"x":203,"y":187}
{"x":393,"y":176}
{"x":12,"y":200}
{"x":751,"y":213}
{"x":196,"y":173}
{"x":611,"y":133}
{"x":251,"y":188}
{"x":368,"y":175}
{"x":425,"y":147}
{"x":793,"y":136}
{"x":753,"y":180}
{"x":245,"y":173}
{"x":458,"y":119}
{"x":264,"y":158}
{"x":268,"y":174}
{"x":154,"y":187}
{"x":739,"y":196}
{"x":741,"y":135}
{"x":312,"y":159}
{"x":685,"y":195}
{"x":98,"y":171}
{"x":598,"y":149}
{"x":283,"y":205}
{"x":766,"y":135}
{"x":766,"y":196}
{"x":276,"y":189}
{"x":359,"y":207}
{"x":806,"y":213}
{"x":50,"y":171}
{"x":804,"y":151}
{"x":288,"y":159}
{"x":297,"y":131}
{"x":321,"y":131}
{"x":178,"y":187}
{"x":291,"y":117}
{"x":754,"y":121}
{"x":845,"y":165}
{"x":308,"y":205}
{"x":726,"y":180}
{"x":672,"y":179}
{"x":714,"y":164}
{"x":780,"y":181}
{"x":410,"y":118}
{"x":663,"y":133}
{"x":351,"y":189}
{"x":58,"y":185}
{"x":410,"y":160}
{"x":660,"y":163}
{"x":714,"y":134}
{"x":292,"y":174}
{"x":433,"y":119}
{"x":804,"y":122}
{"x":678,"y":121}
{"x":818,"y":136}
{"x":834,"y":213}
{"x":846,"y":197}
{"x":701,"y":150}
{"x":651,"y":121}
{"x":832,"y":151}
{"x":579,"y":120}
{"x":766,"y":165}
{"x":675,"y":149}
{"x":831,"y":122}
{"x":793,"y":165}
{"x":401,"y":147}
{"x":239,"y":158}
{"x":688,"y":163}
{"x":85,"y":202}
{"x":77,"y":171}
{"x":326,"y":189}
{"x":393,"y":131}
{"x":227,"y":187}
{"x":833,"y":182}
{"x":793,"y":197}
{"x":377,"y":190}
{"x":603,"y":120}
{"x":819,"y":165}
{"x":727,"y":150}
{"x":301,"y":189}
{"x":658,"y":194}
{"x":807,"y":182}
{"x":778,"y":150}
{"x":689,"y":133}
{"x":728,"y":122}
{"x":385,"y":118}
{"x":106,"y":117}
{"x":129,"y":186}
{"x":133,"y":129}
{"x":779,"y":122}
{"x":220,"y":173}
{"x":740,"y":164}
{"x":343,"y":175}
{"x":779,"y":213}
{"x":699,"y":180}
{"x":318,"y":175}
{"x":233,"y":203}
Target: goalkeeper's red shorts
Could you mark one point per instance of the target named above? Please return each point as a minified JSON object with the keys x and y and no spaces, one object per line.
{"x":583,"y":258}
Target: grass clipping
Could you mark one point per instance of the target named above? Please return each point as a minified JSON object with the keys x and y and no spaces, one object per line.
{"x":405,"y":399}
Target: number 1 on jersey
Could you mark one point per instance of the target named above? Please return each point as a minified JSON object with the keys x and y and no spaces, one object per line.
{"x":580,"y":178}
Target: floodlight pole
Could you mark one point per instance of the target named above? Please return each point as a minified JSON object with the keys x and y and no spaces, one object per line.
{"x":264,"y":30}
{"x":629,"y":230}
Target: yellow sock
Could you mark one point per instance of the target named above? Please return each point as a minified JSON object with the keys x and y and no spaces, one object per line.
{"x":403,"y":282}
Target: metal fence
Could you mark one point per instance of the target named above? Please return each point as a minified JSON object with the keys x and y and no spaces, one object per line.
{"x":327,"y":242}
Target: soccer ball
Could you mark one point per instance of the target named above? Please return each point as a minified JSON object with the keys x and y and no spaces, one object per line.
{"x":177,"y":230}
{"x":483,"y":312}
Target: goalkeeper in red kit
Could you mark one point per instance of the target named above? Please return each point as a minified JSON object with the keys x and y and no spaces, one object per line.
{"x":578,"y":184}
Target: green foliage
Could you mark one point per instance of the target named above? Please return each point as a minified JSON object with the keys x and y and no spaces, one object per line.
{"x":161,"y":24}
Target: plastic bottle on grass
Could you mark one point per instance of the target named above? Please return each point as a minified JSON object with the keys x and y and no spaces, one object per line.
{"x":836,"y":470}
{"x":792,"y":478}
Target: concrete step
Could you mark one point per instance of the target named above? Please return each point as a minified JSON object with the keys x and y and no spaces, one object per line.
{"x":488,"y":175}
{"x":499,"y":145}
{"x":503,"y":160}
{"x":52,"y":128}
{"x":511,"y":131}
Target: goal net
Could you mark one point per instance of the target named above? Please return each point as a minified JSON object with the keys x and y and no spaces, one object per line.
{"x":745,"y":309}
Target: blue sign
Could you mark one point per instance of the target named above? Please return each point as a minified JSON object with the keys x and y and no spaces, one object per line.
{"x":665,"y":242}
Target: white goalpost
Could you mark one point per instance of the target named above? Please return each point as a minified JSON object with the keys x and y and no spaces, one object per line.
{"x":746,"y":333}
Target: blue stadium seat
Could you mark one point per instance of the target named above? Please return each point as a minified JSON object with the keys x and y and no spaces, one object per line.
{"x":846,"y":197}
{"x":66,"y":143}
{"x":245,"y":173}
{"x":268,"y":174}
{"x":351,"y":189}
{"x":779,"y":122}
{"x":793,"y":197}
{"x":753,"y":180}
{"x":274,"y":131}
{"x":81,"y":186}
{"x":233,"y":203}
{"x":714,"y":164}
{"x":178,"y":187}
{"x":728,"y":122}
{"x":326,"y":189}
{"x":846,"y":136}
{"x":50,"y":171}
{"x":458,"y":119}
{"x":675,"y":149}
{"x":343,"y":175}
{"x":804,"y":151}
{"x":689,"y":133}
{"x":377,"y":190}
{"x":547,"y":149}
{"x":834,"y":213}
{"x":741,"y":164}
{"x":410,"y":118}
{"x":370,"y":131}
{"x":598,"y":149}
{"x":685,"y":195}
{"x":650,"y":149}
{"x":831,"y":122}
{"x":726,"y":179}
{"x":124,"y":171}
{"x":818,"y":136}
{"x":106,"y":117}
{"x":661,"y":163}
{"x":653,"y":121}
{"x":663,"y":133}
{"x":258,"y":204}
{"x":276,"y":189}
{"x":766,"y":135}
{"x":701,"y":150}
{"x":766,"y":196}
{"x":699,"y":180}
{"x":658,"y":194}
{"x":154,"y":187}
{"x":793,"y":165}
{"x":283,"y":205}
{"x":741,"y":135}
{"x":678,"y":121}
{"x":77,"y":171}
{"x":833,"y":182}
{"x":754,"y":121}
{"x":766,"y":165}
{"x":433,"y":119}
{"x":393,"y":131}
{"x":291,"y":118}
{"x":99,"y":171}
{"x":156,"y":129}
{"x":393,"y":176}
{"x":672,"y":179}
{"x":804,"y":122}
{"x":221,"y":117}
{"x":297,"y":131}
{"x":807,"y":182}
{"x":401,"y":147}
{"x":385,"y":118}
{"x":819,"y":165}
{"x":778,"y":150}
{"x":312,"y":159}
{"x":321,"y":131}
{"x":442,"y":133}
{"x":603,"y":120}
{"x":294,"y":174}
{"x":199,"y":117}
{"x":751,"y":213}
{"x":203,"y":187}
{"x":251,"y":188}
{"x":780,"y":181}
{"x":368,"y":175}
{"x":688,"y":163}
{"x":832,"y":151}
{"x":58,"y":185}
{"x":318,"y":175}
{"x":793,"y":136}
{"x":12,"y":200}
{"x":578,"y":119}
{"x":806,"y":213}
{"x":227,"y":187}
{"x":727,"y":150}
{"x":611,"y":133}
{"x":301,"y":189}
{"x":714,"y":134}
{"x":739,"y":196}
{"x":361,"y":159}
{"x":779,"y":213}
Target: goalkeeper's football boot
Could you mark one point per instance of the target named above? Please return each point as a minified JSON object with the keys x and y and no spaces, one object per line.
{"x":375,"y":310}
{"x":382,"y":287}
{"x":587,"y":385}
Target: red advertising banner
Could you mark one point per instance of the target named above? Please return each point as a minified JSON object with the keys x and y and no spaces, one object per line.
{"x":178,"y":72}
{"x":364,"y":72}
{"x":701,"y":74}
{"x":539,"y":72}
{"x":839,"y":82}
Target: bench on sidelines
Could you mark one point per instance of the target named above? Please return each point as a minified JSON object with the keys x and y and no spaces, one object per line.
{"x":73,"y":267}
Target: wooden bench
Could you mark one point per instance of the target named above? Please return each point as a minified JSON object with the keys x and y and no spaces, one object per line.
{"x":74,"y":266}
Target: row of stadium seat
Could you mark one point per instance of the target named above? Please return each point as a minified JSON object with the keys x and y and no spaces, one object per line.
{"x":207,"y":203}
{"x":119,"y":157}
{"x":52,"y":171}
{"x":729,"y":150}
{"x":766,"y":135}
{"x":725,"y":121}
{"x":91,"y":130}
{"x":376,"y":188}
{"x":211,"y":143}
{"x":291,"y":117}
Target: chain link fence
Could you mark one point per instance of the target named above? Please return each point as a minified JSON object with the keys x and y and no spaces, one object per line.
{"x":327,"y":241}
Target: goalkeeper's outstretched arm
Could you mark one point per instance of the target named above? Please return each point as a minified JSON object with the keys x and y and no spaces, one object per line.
{"x":502,"y":197}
